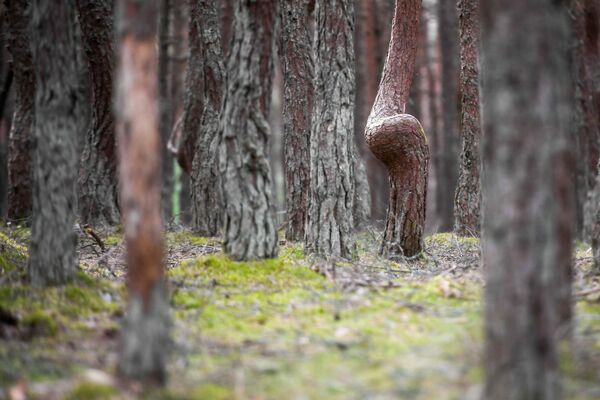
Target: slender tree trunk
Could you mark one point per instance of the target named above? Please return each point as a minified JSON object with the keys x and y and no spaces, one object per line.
{"x":145,"y":330}
{"x":297,"y":64}
{"x":398,"y":140}
{"x":98,"y":181}
{"x":527,"y":233}
{"x":467,"y":201}
{"x":165,"y":104}
{"x":226,"y":23}
{"x":330,"y":212}
{"x":19,"y":162}
{"x":55,"y":158}
{"x":250,"y":230}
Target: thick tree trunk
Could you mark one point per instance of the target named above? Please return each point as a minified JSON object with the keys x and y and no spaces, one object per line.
{"x":204,"y":87}
{"x":527,"y":189}
{"x":98,"y":180}
{"x":145,"y":332}
{"x":250,"y":230}
{"x":297,"y":64}
{"x":55,"y":157}
{"x":19,"y":162}
{"x":330,"y":213}
{"x":398,"y":140}
{"x":467,"y":201}
{"x":448,"y":160}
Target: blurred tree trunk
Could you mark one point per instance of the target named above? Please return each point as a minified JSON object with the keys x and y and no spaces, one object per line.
{"x":448,"y":160}
{"x":98,"y":181}
{"x":528,"y":186}
{"x":329,"y":221}
{"x":6,"y":79}
{"x":55,"y":157}
{"x":145,"y":331}
{"x":250,"y":230}
{"x":19,"y":162}
{"x":467,"y":201}
{"x":226,"y":23}
{"x":297,"y":64}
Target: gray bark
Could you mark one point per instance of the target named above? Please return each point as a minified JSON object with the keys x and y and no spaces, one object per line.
{"x":249,"y":225}
{"x":55,"y":158}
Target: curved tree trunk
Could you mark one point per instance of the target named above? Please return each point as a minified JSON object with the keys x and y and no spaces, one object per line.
{"x":297,"y":65}
{"x":527,"y":189}
{"x":55,"y":158}
{"x":98,"y":180}
{"x":19,"y":163}
{"x":398,"y":140}
{"x":250,"y":230}
{"x":145,"y":331}
{"x":330,"y":213}
{"x":467,"y":200}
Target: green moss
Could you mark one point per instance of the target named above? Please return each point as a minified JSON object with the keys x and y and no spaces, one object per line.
{"x":450,"y":239}
{"x":91,"y":391}
{"x":185,"y":236}
{"x":40,"y":323}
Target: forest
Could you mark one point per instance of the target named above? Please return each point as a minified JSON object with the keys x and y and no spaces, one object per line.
{"x":300,"y":199}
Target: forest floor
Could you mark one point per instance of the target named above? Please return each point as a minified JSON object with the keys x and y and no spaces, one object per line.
{"x":290,"y":327}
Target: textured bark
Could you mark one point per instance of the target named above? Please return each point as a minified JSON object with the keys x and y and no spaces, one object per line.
{"x":98,"y":180}
{"x":448,"y":27}
{"x":297,"y":64}
{"x":53,"y":240}
{"x":398,"y":140}
{"x":19,"y":162}
{"x":145,"y":330}
{"x":527,"y":189}
{"x":467,"y":200}
{"x":165,"y":105}
{"x":226,"y":20}
{"x":330,"y":213}
{"x":250,"y":230}
{"x":204,"y":87}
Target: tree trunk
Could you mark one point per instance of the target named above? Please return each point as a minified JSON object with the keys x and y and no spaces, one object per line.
{"x":330,"y":212}
{"x":19,"y":162}
{"x":165,"y":122}
{"x":467,"y":201}
{"x":527,"y":234}
{"x":204,"y":87}
{"x":98,"y":181}
{"x":145,"y":330}
{"x":448,"y":31}
{"x":250,"y":230}
{"x":226,"y":23}
{"x":297,"y":64}
{"x":55,"y":157}
{"x":398,"y":140}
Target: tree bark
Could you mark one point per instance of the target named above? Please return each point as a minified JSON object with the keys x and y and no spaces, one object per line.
{"x":98,"y":180}
{"x":448,"y":160}
{"x":398,"y":140}
{"x":467,"y":200}
{"x":527,"y":207}
{"x":55,"y":157}
{"x":19,"y":162}
{"x":330,"y":212}
{"x":297,"y":64}
{"x":145,"y":330}
{"x":250,"y":230}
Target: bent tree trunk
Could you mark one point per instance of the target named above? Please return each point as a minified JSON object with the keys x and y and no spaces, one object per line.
{"x":398,"y":140}
{"x":145,"y":330}
{"x":57,"y":105}
{"x":98,"y":180}
{"x":330,"y":214}
{"x":467,"y":200}
{"x":527,"y":189}
{"x":250,"y":230}
{"x":19,"y":163}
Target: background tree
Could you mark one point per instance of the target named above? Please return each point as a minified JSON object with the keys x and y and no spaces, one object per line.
{"x":398,"y":140}
{"x":250,"y":230}
{"x":330,"y":212}
{"x":98,"y":180}
{"x":145,"y":330}
{"x":55,"y":157}
{"x":297,"y":64}
{"x":467,"y":200}
{"x":19,"y":163}
{"x":527,"y":244}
